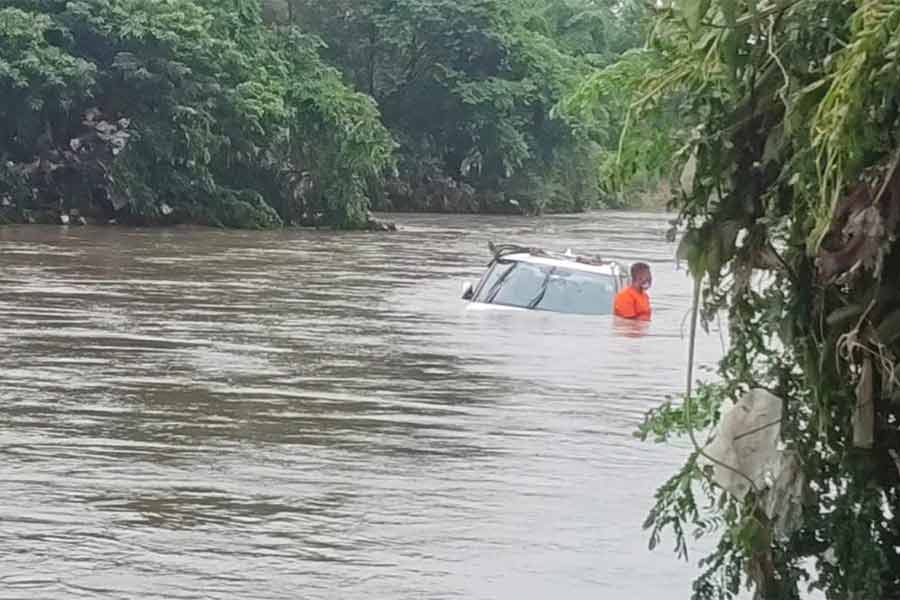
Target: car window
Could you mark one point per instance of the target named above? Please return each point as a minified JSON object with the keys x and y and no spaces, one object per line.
{"x":497,"y":270}
{"x":522,"y":285}
{"x":579,"y":292}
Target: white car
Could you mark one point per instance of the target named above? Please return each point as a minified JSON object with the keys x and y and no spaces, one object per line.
{"x":524,"y":278}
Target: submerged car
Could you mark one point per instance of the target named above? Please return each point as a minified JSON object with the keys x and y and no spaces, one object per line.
{"x":527,"y":278}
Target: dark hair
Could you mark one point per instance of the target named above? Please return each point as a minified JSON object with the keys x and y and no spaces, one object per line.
{"x":639,"y":267}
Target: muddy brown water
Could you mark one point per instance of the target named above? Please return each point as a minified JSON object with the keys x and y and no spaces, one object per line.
{"x":193,"y":413}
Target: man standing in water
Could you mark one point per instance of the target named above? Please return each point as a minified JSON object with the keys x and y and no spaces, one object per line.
{"x":633,"y":302}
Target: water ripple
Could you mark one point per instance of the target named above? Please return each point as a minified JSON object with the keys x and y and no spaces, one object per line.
{"x":197,"y":413}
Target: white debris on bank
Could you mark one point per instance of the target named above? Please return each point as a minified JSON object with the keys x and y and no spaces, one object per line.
{"x":864,"y":412}
{"x":748,"y":439}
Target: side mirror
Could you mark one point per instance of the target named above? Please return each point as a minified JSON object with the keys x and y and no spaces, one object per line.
{"x":468,"y":291}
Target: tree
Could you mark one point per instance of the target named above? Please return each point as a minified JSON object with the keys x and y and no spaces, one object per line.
{"x":179,"y":110}
{"x":635,"y":153}
{"x":467,"y":87}
{"x":790,"y":205}
{"x":599,"y":31}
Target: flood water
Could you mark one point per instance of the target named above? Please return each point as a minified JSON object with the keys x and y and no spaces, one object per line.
{"x":193,"y":413}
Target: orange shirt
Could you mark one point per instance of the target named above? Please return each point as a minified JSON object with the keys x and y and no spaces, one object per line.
{"x":632,"y":304}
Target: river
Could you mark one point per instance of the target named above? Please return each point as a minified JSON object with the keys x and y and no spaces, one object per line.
{"x":195,"y":413}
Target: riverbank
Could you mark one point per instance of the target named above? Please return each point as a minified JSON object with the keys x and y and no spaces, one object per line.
{"x":253,"y":213}
{"x":447,"y":196}
{"x":168,"y":217}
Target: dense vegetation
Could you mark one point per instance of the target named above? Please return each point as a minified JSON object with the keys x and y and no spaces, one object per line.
{"x":789,"y":115}
{"x":178,"y":110}
{"x":253,"y":114}
{"x":468,"y":88}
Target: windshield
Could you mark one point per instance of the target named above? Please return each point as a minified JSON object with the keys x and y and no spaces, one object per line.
{"x":545,"y":287}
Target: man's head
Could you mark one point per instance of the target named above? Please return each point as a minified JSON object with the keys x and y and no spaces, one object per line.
{"x":641,"y":279}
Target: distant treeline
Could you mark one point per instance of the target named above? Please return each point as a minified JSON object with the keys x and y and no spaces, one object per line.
{"x":248,"y":114}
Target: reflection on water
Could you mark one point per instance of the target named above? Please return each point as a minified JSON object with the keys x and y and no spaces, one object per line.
{"x":196,"y":413}
{"x":630,"y":328}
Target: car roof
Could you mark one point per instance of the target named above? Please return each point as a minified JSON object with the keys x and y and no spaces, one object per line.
{"x":611,"y":269}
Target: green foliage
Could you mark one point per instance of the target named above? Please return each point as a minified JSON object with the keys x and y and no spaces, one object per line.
{"x":671,"y":419}
{"x":789,"y":115}
{"x":179,"y":107}
{"x":599,"y":31}
{"x":468,"y":87}
{"x":635,"y":152}
{"x":164,"y":110}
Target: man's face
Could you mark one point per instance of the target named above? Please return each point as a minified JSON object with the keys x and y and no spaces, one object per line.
{"x":643,"y":279}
